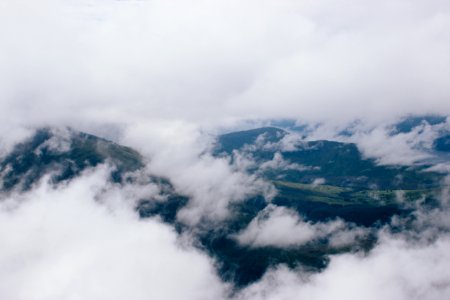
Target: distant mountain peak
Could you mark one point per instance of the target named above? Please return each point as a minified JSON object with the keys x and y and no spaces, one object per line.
{"x":65,"y":153}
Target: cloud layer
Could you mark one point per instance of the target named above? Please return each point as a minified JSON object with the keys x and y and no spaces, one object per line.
{"x":212,"y":62}
{"x":394,"y":270}
{"x":75,"y":242}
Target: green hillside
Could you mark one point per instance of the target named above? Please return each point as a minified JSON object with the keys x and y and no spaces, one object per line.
{"x":31,"y":160}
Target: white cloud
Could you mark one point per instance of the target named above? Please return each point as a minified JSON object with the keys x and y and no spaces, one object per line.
{"x":402,"y":149}
{"x":181,"y":153}
{"x":65,"y":244}
{"x":279,"y":163}
{"x":283,"y":228}
{"x":318,"y":181}
{"x":213,"y":62}
{"x":393,"y":270}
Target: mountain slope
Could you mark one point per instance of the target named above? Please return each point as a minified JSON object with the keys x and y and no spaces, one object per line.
{"x":328,"y":179}
{"x":320,"y":180}
{"x":64,"y":154}
{"x":339,"y":164}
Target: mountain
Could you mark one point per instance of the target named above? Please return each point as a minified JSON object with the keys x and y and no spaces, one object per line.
{"x":236,"y":140}
{"x":336,"y":163}
{"x":64,"y":154}
{"x":409,"y":123}
{"x":320,"y":180}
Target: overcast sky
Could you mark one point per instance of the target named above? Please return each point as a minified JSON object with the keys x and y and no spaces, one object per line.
{"x":213,"y":62}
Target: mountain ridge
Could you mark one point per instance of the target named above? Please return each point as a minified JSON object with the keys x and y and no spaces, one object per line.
{"x":309,"y":180}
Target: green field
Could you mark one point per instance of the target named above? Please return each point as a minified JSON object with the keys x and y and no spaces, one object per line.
{"x":330,"y":194}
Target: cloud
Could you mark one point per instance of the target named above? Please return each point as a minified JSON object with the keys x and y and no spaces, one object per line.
{"x":214,"y":187}
{"x":182,"y":154}
{"x":393,"y":270}
{"x":279,"y":163}
{"x":380,"y":140}
{"x":283,"y":228}
{"x":409,"y":261}
{"x":74,"y":242}
{"x":318,"y":181}
{"x":83,"y":241}
{"x":93,"y":62}
{"x":401,"y":149}
{"x":408,"y":148}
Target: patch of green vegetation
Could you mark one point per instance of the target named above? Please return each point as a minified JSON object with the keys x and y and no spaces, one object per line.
{"x":347,"y":196}
{"x":322,"y":188}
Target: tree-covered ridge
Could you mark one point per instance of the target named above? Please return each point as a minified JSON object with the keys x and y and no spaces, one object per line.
{"x":64,"y":154}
